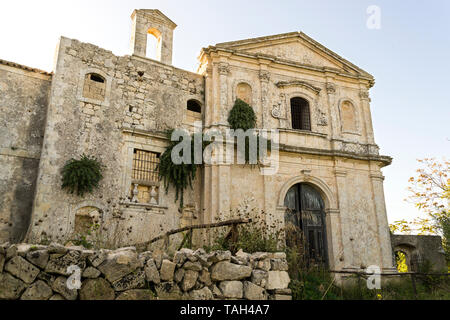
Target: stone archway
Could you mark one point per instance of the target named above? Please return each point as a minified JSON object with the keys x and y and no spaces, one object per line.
{"x":305,"y":225}
{"x":333,"y":241}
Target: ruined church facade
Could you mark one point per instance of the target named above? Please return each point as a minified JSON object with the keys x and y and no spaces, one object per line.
{"x":117,"y":108}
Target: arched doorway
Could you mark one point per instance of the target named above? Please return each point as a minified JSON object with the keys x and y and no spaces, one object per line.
{"x":305,"y":224}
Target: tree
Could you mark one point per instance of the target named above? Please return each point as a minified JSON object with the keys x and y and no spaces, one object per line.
{"x":430,"y":192}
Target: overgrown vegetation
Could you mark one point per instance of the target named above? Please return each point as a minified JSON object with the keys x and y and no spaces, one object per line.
{"x":429,"y":191}
{"x":316,"y":283}
{"x":180,"y":176}
{"x":242,"y":116}
{"x":82,"y":176}
{"x":256,"y":236}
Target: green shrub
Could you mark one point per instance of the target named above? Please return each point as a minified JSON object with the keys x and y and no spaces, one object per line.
{"x":242,"y":116}
{"x":82,"y":176}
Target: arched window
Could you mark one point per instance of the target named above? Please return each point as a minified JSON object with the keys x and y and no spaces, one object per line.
{"x":244,"y":92}
{"x":301,"y":117}
{"x":348,"y":117}
{"x":94,"y":87}
{"x":194,"y":106}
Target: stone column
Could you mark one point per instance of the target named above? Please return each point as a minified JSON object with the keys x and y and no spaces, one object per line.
{"x":345,"y":220}
{"x":367,"y":116}
{"x":384,"y":233}
{"x":264,"y":77}
{"x":334,"y":237}
{"x":224,"y":70}
{"x":209,"y":104}
{"x":333,"y":113}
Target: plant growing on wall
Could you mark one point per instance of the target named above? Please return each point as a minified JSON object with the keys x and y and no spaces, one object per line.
{"x":181,"y":175}
{"x":242,"y":116}
{"x":82,"y":176}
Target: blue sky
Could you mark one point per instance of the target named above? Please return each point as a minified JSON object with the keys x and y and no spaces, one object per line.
{"x":409,"y":55}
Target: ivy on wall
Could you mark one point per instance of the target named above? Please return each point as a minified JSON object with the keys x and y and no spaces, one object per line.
{"x":242,"y":116}
{"x":180,"y":176}
{"x":82,"y":176}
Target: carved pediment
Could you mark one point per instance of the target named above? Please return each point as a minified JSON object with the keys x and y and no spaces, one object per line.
{"x":295,"y":47}
{"x":286,"y":84}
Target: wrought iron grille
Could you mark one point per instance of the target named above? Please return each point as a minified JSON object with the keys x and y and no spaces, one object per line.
{"x":145,"y":166}
{"x":301,"y":118}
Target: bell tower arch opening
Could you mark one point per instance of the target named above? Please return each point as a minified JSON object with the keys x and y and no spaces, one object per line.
{"x":152,"y":35}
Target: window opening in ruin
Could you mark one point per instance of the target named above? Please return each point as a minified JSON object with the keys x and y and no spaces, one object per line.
{"x":145,"y":177}
{"x":94,"y":87}
{"x":194,"y":106}
{"x":300,"y":113}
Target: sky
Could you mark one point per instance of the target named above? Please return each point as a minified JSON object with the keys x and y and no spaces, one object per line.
{"x":409,"y":55}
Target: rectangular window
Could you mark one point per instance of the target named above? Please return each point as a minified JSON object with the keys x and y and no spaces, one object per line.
{"x":145,"y":166}
{"x":145,"y":178}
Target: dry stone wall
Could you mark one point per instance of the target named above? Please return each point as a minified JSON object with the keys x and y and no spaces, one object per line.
{"x":35,"y":272}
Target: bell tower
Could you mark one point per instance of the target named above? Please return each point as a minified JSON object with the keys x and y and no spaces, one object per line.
{"x":154,"y":23}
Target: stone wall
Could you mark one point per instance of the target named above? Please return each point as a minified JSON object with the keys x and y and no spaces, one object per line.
{"x":420,"y":250}
{"x":23,"y":105}
{"x":29,"y":272}
{"x":142,"y":99}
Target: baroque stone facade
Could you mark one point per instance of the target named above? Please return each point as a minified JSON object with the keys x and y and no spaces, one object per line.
{"x":116,"y":108}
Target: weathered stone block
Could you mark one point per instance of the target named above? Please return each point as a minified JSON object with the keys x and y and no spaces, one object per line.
{"x":97,"y":258}
{"x":60,"y":286}
{"x":118,"y":264}
{"x":264,"y":265}
{"x":91,"y":273}
{"x":202,"y":294}
{"x":179,"y":274}
{"x":167,"y":270}
{"x":134,"y":280}
{"x":2,"y":262}
{"x":224,"y":271}
{"x":232,"y":289}
{"x":278,"y":280}
{"x":189,"y":280}
{"x":168,"y":291}
{"x":22,"y":269}
{"x":10,"y":287}
{"x":37,"y":291}
{"x":194,"y":266}
{"x":254,"y":292}
{"x":59,"y":263}
{"x":279,"y":265}
{"x":205,"y":278}
{"x":219,"y":256}
{"x":259,"y":277}
{"x":38,"y":258}
{"x":151,"y":272}
{"x":96,"y":289}
{"x":137,"y":295}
